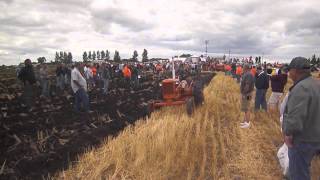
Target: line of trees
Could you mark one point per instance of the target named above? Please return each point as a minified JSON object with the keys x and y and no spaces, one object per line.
{"x":41,"y":60}
{"x":99,"y":55}
{"x":63,"y":57}
{"x":314,"y":60}
{"x":105,"y":55}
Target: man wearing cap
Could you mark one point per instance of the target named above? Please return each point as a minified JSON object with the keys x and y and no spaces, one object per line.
{"x":301,"y":120}
{"x":262,"y":85}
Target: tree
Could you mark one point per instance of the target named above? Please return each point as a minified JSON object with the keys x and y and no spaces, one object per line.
{"x":57,"y":59}
{"x":257,"y":60}
{"x":116,"y":57}
{"x":65,"y":57}
{"x":41,"y":60}
{"x":135,"y":56}
{"x":185,"y":55}
{"x":318,"y":61}
{"x":61,"y":56}
{"x":98,"y":55}
{"x":107,"y":55}
{"x":90,"y":55}
{"x":94,"y":55}
{"x":69,"y":58}
{"x":314,"y":59}
{"x":85,"y":57}
{"x":145,"y":56}
{"x":103,"y":55}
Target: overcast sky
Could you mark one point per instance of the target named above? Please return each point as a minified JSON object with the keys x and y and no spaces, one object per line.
{"x":278,"y":28}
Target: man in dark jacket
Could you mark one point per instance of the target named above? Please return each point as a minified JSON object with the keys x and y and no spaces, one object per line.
{"x":197,"y":90}
{"x":60,"y":75}
{"x":28,"y":78}
{"x":278,"y":82}
{"x":135,"y":76}
{"x":262,"y":85}
{"x":233,"y":69}
{"x":301,"y":119}
{"x":106,"y":77}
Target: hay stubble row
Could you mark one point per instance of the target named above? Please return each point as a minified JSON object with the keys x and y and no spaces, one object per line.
{"x":209,"y":145}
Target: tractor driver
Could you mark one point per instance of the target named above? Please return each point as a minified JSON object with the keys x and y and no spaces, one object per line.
{"x":185,"y":86}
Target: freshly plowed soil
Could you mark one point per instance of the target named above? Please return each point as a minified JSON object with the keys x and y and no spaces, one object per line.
{"x":36,"y":145}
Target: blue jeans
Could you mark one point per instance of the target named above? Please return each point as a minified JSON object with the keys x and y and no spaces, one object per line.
{"x":300,"y":157}
{"x":260,"y":101}
{"x":81,"y":98}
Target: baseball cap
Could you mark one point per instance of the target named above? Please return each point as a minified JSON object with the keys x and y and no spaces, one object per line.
{"x":299,"y":63}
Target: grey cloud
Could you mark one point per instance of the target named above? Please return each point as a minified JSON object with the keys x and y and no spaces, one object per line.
{"x":28,"y":47}
{"x":250,"y":26}
{"x":176,"y":38}
{"x":103,"y":19}
{"x":21,"y":21}
{"x":306,"y":23}
{"x":68,"y":2}
{"x":65,"y":6}
{"x":6,"y":1}
{"x":241,"y":39}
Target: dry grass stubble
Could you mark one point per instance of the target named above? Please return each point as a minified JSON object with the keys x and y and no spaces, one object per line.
{"x":209,"y":145}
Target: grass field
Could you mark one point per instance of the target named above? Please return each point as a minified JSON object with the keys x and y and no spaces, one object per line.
{"x":209,"y":145}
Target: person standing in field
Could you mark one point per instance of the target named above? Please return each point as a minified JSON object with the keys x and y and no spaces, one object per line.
{"x":106,"y":77}
{"x":135,"y":76}
{"x":27,"y":76}
{"x":79,"y":87}
{"x":94,"y":74}
{"x":301,"y":119}
{"x":60,"y":74}
{"x":67,"y":76}
{"x":253,"y":71}
{"x":127,"y":75}
{"x":262,"y":85}
{"x":43,"y":76}
{"x":233,"y":70}
{"x":246,"y":89}
{"x":88,"y":75}
{"x":239,"y":73}
{"x":278,"y":82}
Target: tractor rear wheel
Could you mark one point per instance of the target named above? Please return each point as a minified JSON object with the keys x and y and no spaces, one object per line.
{"x":190,"y":106}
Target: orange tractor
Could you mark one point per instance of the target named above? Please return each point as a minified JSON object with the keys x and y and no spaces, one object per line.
{"x":174,"y":93}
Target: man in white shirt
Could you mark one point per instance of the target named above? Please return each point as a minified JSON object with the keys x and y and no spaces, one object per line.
{"x":79,"y":87}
